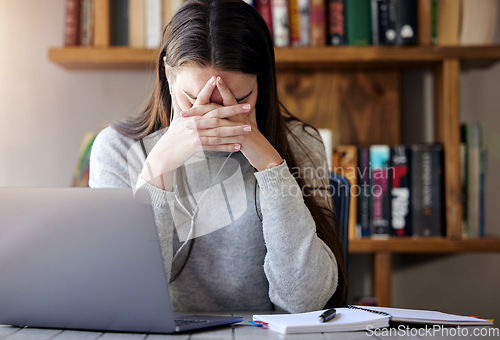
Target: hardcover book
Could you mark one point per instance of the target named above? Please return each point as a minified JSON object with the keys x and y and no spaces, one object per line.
{"x":381,"y":194}
{"x":264,"y":8}
{"x":406,"y":22}
{"x":364,"y":192}
{"x":336,"y":32}
{"x":281,"y":33}
{"x":119,"y":23}
{"x":427,"y":190}
{"x":318,"y":23}
{"x":345,"y":159}
{"x":400,"y":191}
{"x":72,"y":23}
{"x":358,"y":22}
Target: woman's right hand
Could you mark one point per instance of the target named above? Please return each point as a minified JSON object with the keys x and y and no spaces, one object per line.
{"x":181,"y":140}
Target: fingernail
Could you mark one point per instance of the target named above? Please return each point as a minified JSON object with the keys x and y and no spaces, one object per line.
{"x":247,"y":128}
{"x":212,"y":80}
{"x":189,"y":125}
{"x":246,"y":107}
{"x":197,"y":140}
{"x":219,"y":80}
{"x":237,"y":147}
{"x":183,"y":113}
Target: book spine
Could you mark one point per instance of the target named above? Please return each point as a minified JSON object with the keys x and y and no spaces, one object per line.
{"x":448,"y":24}
{"x":250,"y":2}
{"x":474,"y":178}
{"x":136,"y":24}
{"x":119,"y":23}
{"x":424,"y":22}
{"x":387,"y":13}
{"x":294,"y":18}
{"x":101,"y":23}
{"x":381,"y":204}
{"x":153,"y":23}
{"x":463,"y":179}
{"x":358,"y":22}
{"x":406,"y":22}
{"x":279,"y":11}
{"x":305,"y":24}
{"x":72,"y":23}
{"x":426,"y":189}
{"x":86,"y":24}
{"x":400,"y":191}
{"x":375,"y":22}
{"x":434,"y":23}
{"x":364,"y":192}
{"x":336,"y":32}
{"x":264,"y":8}
{"x":318,"y":23}
{"x":345,"y":159}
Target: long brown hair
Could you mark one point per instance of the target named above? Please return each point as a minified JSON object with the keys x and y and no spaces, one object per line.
{"x":232,"y":36}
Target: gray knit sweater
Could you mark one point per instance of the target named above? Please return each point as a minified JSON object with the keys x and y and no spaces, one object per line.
{"x":255,"y":243}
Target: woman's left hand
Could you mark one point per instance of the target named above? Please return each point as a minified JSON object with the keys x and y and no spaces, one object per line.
{"x":254,"y":146}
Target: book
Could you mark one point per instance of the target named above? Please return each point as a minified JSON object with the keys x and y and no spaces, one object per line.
{"x":363,"y":224}
{"x":294,"y":19}
{"x":361,"y":318}
{"x":473,"y":173}
{"x":406,"y":22}
{"x":86,"y":23}
{"x":82,"y":168}
{"x":119,"y":23}
{"x":425,"y":22}
{"x":305,"y":23}
{"x":136,"y":24}
{"x":358,"y":22}
{"x":153,"y":23}
{"x":478,"y":22}
{"x":380,"y":191}
{"x":336,"y":32}
{"x":427,"y":217}
{"x":448,"y":22}
{"x":344,"y":163}
{"x":279,"y":12}
{"x":72,"y":23}
{"x":318,"y":23}
{"x":101,"y":20}
{"x":383,"y":22}
{"x":264,"y":8}
{"x":400,"y":191}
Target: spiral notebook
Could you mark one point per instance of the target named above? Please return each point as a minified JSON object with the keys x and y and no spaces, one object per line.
{"x":357,"y":318}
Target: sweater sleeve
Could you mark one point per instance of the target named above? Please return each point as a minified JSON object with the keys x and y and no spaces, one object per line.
{"x":115,"y":162}
{"x":301,"y":269}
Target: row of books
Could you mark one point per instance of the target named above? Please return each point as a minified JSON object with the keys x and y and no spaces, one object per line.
{"x":102,"y":23}
{"x":395,"y":190}
{"x":139,"y":23}
{"x":379,"y":22}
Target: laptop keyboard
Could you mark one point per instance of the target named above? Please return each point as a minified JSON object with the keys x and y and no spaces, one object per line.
{"x":182,"y":322}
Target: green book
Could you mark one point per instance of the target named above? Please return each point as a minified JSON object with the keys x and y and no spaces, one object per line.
{"x":358,"y":22}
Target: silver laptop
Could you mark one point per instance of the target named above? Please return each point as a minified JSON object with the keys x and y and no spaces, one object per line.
{"x":85,"y":259}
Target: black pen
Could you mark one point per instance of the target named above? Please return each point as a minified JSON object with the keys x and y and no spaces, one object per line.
{"x":327,"y":315}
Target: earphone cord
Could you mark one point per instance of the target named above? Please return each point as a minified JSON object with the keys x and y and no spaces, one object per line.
{"x":192,"y":217}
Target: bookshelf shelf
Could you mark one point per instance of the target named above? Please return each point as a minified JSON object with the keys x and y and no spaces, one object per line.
{"x":324,"y":57}
{"x":435,"y":245}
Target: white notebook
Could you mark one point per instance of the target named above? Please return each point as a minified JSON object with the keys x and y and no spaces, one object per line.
{"x":358,"y":318}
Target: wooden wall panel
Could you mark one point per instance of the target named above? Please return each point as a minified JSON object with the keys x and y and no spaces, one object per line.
{"x":360,"y":107}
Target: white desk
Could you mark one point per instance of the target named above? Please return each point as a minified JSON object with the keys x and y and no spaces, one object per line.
{"x":239,"y":331}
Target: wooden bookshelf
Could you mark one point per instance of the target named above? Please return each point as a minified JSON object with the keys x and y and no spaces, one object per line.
{"x":355,"y":92}
{"x":305,"y":58}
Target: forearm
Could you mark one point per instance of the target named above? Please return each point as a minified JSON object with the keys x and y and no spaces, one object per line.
{"x":301,"y":269}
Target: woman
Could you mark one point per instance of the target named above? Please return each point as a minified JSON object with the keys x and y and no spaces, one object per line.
{"x":231,"y":174}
